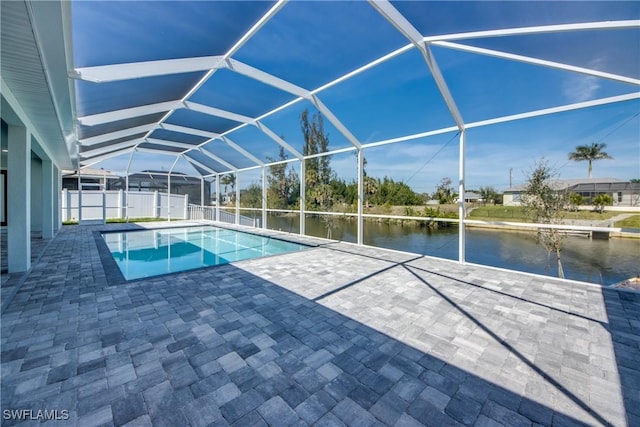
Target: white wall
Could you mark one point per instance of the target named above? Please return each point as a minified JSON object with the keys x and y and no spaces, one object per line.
{"x":510,"y":199}
{"x":142,"y":204}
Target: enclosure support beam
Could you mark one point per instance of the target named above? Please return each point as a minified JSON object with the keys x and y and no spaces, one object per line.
{"x":217,"y":159}
{"x":271,"y":134}
{"x":360,"y":195}
{"x":218,"y":197}
{"x":169,"y":188}
{"x":537,"y":61}
{"x":302,"y":196}
{"x":126,"y":197}
{"x":237,"y":198}
{"x":391,"y":14}
{"x":79,"y":197}
{"x":461,"y":208}
{"x":126,"y":190}
{"x":264,"y":197}
{"x":169,"y":197}
{"x":201,"y":191}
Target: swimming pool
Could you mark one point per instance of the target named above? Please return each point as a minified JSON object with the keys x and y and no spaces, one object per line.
{"x":149,"y":253}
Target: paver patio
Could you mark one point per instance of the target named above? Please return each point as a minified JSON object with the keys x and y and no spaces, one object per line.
{"x":334,"y":335}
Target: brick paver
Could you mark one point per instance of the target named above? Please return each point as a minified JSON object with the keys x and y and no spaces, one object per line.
{"x":334,"y":335}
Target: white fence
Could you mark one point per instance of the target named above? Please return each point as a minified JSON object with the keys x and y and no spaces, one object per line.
{"x":101,"y":205}
{"x":98,"y":206}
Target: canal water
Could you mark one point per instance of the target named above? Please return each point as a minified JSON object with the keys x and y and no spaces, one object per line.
{"x":597,"y":261}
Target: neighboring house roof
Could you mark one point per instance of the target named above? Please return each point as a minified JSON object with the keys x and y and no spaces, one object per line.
{"x":563,"y":184}
{"x":147,"y":174}
{"x":162,"y":176}
{"x":607,"y":186}
{"x":468,"y":195}
{"x":90,"y":173}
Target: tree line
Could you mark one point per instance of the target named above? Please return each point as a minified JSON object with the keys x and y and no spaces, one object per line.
{"x":324,"y":190}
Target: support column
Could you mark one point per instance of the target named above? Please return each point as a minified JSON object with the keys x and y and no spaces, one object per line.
{"x":169,"y":197}
{"x":121,"y":208}
{"x":360,"y":195}
{"x":303,"y":183}
{"x":104,"y":192}
{"x":18,"y":199}
{"x":57,"y":209}
{"x":237,"y":198}
{"x":201,"y":192}
{"x":218,"y":201}
{"x":157,"y":204}
{"x":104,"y":207}
{"x":264,"y":197}
{"x":48,"y":207}
{"x":65,"y":205}
{"x":126,"y":197}
{"x":461,"y":208}
{"x":126,"y":184}
{"x":79,"y":197}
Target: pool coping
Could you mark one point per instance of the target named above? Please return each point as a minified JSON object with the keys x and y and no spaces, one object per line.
{"x":115,"y":276}
{"x":311,"y":241}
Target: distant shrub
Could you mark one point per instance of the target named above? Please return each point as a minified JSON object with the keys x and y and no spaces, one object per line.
{"x":600,"y":201}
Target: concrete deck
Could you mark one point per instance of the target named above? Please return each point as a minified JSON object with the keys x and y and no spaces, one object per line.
{"x":335,"y":335}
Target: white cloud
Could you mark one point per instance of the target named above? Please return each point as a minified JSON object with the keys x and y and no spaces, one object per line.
{"x":580,"y":88}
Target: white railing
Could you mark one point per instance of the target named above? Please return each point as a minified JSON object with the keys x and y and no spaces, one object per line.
{"x":227,"y":217}
{"x":209,"y":213}
{"x":248,"y":221}
{"x":202,"y":212}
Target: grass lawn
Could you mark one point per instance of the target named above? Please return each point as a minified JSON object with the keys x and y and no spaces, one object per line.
{"x":516,"y":213}
{"x":402,"y":210}
{"x":631,"y":222}
{"x":491,"y":213}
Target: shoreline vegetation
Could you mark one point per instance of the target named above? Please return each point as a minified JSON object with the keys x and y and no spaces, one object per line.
{"x":490,"y":213}
{"x":493,"y":213}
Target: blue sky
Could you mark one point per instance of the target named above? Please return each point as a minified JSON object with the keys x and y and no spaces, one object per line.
{"x":313,"y":43}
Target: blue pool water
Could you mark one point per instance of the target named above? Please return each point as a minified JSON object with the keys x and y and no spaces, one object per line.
{"x":170,"y":250}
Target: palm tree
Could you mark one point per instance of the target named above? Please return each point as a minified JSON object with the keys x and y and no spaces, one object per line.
{"x":487,"y":194}
{"x":370,"y":187}
{"x":590,"y":153}
{"x":228,"y":179}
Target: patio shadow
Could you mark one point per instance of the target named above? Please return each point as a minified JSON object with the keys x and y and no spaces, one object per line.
{"x":623,"y":311}
{"x":225,"y":346}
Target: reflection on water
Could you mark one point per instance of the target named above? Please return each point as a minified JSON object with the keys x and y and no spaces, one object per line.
{"x":590,"y":260}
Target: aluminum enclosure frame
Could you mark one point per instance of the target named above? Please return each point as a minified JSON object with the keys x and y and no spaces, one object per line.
{"x":210,"y":65}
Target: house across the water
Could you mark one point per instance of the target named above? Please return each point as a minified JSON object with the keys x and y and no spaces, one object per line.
{"x":623,"y":193}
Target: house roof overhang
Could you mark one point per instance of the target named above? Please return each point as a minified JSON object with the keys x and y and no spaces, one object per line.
{"x":35,"y":85}
{"x":104,"y":94}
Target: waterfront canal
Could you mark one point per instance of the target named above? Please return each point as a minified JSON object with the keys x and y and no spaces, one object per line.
{"x":591,"y":260}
